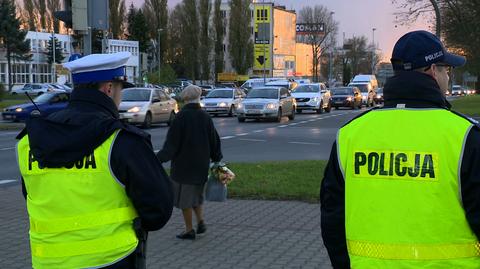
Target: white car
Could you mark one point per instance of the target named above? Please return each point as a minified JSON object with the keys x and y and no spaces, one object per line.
{"x":222,"y":101}
{"x":33,"y":89}
{"x":146,"y":106}
{"x":313,"y":96}
{"x":267,"y":103}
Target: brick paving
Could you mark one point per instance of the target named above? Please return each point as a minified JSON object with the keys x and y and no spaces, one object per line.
{"x":241,"y":234}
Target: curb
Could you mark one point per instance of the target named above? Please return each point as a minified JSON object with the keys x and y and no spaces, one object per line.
{"x":11,"y":126}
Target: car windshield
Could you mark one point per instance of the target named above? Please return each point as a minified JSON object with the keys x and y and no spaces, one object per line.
{"x":136,"y":95}
{"x":307,"y":88}
{"x":263,"y":93}
{"x":44,"y":98}
{"x":220,"y":94}
{"x":341,"y":91}
{"x":362,"y":87}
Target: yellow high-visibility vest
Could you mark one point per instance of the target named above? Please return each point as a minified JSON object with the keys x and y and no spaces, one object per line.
{"x":80,"y":216}
{"x":403,"y":204}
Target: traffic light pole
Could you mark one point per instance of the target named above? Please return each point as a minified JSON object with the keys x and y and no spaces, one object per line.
{"x":54,"y":51}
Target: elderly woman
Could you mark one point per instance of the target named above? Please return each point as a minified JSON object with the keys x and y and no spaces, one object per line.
{"x":192,"y":141}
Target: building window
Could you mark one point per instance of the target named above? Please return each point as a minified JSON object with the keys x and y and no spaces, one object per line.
{"x":224,"y":13}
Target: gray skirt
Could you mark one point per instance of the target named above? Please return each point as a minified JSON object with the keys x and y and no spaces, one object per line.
{"x":187,"y":196}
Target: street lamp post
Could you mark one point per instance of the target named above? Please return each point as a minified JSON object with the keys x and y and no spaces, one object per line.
{"x":306,"y":65}
{"x":330,"y":67}
{"x":159,"y":55}
{"x":373,"y":50}
{"x":264,"y":43}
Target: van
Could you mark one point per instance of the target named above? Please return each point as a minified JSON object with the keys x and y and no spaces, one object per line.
{"x":365,"y":83}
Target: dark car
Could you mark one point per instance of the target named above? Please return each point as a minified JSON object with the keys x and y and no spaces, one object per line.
{"x":346,"y":97}
{"x":47,"y":103}
{"x":379,"y":96}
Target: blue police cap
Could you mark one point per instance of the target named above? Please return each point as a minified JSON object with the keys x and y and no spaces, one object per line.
{"x":96,"y":68}
{"x":421,"y":49}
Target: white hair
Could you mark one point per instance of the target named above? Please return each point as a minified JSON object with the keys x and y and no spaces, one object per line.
{"x":191,"y":94}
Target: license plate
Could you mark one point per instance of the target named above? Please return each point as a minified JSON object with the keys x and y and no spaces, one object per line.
{"x":7,"y":117}
{"x":211,"y":109}
{"x":253,"y":111}
{"x":300,"y":103}
{"x":339,"y":102}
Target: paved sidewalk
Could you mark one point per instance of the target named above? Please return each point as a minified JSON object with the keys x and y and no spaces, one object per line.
{"x":241,"y":234}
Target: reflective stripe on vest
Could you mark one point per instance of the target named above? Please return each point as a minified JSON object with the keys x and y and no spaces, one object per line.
{"x":413,"y":251}
{"x":80,"y":216}
{"x":402,"y":193}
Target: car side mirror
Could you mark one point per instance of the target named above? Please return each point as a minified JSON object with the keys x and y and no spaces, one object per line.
{"x":155,"y":100}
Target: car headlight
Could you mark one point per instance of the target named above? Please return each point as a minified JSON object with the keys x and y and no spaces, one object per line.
{"x":222,"y":104}
{"x":18,"y":109}
{"x":364,"y":98}
{"x":240,"y":106}
{"x":271,"y":106}
{"x":378,"y":96}
{"x":314,"y":99}
{"x":202,"y":105}
{"x":349,"y":98}
{"x":134,"y":109}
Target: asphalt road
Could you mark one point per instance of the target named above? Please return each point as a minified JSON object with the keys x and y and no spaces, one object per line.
{"x":308,"y":137}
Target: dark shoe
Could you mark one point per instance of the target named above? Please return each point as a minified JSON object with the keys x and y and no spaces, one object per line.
{"x":187,"y":235}
{"x":201,"y":228}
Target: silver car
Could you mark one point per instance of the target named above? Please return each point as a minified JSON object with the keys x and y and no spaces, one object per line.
{"x":267,"y":103}
{"x":222,"y":101}
{"x":313,"y":96}
{"x":146,"y":106}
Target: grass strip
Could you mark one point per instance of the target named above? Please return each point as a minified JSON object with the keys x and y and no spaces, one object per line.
{"x":286,"y":180}
{"x":468,"y":105}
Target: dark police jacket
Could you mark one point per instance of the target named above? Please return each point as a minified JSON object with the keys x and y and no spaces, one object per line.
{"x":192,"y":141}
{"x":415,"y":90}
{"x":91,"y":117}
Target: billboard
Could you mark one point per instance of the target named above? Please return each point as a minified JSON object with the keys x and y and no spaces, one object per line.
{"x":262,"y":36}
{"x":310,"y":28}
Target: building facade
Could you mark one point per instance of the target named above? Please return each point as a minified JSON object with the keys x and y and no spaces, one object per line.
{"x":133,"y":64}
{"x":37,"y":70}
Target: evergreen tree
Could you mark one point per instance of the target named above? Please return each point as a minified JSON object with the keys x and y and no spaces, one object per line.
{"x":11,"y":36}
{"x":241,"y":44}
{"x":137,"y":24}
{"x":219,"y":26}
{"x":58,"y":51}
{"x":189,"y":38}
{"x":205,"y":9}
{"x":156,"y":13}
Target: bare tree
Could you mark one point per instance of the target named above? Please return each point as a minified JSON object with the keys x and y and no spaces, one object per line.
{"x":411,"y":10}
{"x":320,"y":43}
{"x":29,"y":14}
{"x":53,"y":6}
{"x":117,"y":15}
{"x":205,"y":9}
{"x":41,"y":10}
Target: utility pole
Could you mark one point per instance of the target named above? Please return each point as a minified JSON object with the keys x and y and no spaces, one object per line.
{"x":373,"y":50}
{"x":264,"y":42}
{"x":330,"y":66}
{"x":54,"y":51}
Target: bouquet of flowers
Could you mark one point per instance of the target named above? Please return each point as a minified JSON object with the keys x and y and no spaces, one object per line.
{"x":222,"y":173}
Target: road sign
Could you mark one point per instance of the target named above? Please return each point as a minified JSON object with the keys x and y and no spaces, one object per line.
{"x":262,"y":56}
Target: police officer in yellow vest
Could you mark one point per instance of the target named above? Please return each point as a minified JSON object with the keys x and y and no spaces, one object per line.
{"x":402,"y":186}
{"x":93,"y":184}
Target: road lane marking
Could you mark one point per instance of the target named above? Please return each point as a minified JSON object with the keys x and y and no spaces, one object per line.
{"x":303,"y":121}
{"x":6,"y":181}
{"x":258,"y":131}
{"x":305,"y":143}
{"x":227,"y":137}
{"x":9,"y":133}
{"x":292,"y":124}
{"x":3,"y":149}
{"x":253,"y":140}
{"x":282,"y":126}
{"x":242,"y":134}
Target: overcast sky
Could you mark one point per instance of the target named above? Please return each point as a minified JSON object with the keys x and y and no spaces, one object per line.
{"x":356,"y":17}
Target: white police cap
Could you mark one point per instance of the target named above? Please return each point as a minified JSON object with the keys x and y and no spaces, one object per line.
{"x":99,"y":68}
